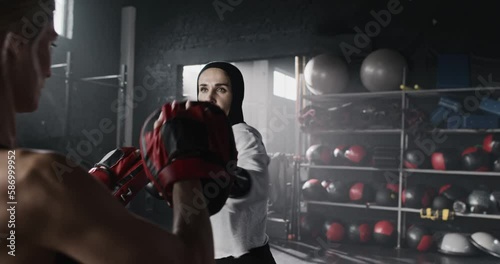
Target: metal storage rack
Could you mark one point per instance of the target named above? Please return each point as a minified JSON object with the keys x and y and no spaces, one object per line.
{"x":404,"y":96}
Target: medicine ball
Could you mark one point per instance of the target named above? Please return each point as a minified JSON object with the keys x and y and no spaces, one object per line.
{"x":360,"y":233}
{"x":446,"y":159}
{"x":386,"y":197}
{"x":479,"y":202}
{"x":326,"y":74}
{"x":491,"y":144}
{"x":338,"y":191}
{"x":338,"y":156}
{"x":417,"y":196}
{"x":495,"y":201}
{"x":311,"y":226}
{"x":361,"y":193}
{"x":496,"y":164}
{"x":441,"y":202}
{"x":453,"y":192}
{"x":416,"y":159}
{"x":319,"y":155}
{"x":384,"y":233}
{"x":312,"y":190}
{"x":419,"y":238}
{"x":356,"y":154}
{"x":335,"y":232}
{"x":475,"y":159}
{"x":393,"y":187}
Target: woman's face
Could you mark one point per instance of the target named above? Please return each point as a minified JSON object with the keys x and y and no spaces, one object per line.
{"x":214,"y":86}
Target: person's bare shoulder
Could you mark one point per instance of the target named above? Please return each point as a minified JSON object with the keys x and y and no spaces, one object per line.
{"x":28,"y":184}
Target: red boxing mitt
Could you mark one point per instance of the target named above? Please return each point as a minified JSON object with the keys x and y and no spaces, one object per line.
{"x":122,"y":171}
{"x":190,"y":142}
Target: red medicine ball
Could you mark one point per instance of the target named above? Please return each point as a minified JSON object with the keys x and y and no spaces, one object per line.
{"x":361,"y":193}
{"x":360,"y":233}
{"x":419,"y":238}
{"x":356,"y":154}
{"x":384,"y":232}
{"x":335,"y":232}
{"x":319,"y":155}
{"x":446,"y":159}
{"x":475,"y":159}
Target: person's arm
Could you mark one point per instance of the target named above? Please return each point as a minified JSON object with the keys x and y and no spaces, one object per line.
{"x":252,"y":161}
{"x":74,"y":214}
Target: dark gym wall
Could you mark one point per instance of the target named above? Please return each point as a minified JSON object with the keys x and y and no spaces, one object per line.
{"x":95,"y":49}
{"x":175,"y":33}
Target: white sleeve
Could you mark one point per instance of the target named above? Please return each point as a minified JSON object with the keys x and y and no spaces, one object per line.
{"x":253,"y":158}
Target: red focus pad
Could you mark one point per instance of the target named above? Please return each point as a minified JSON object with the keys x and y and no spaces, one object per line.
{"x":194,"y":143}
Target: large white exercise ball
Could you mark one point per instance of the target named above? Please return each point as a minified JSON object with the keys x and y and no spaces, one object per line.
{"x":326,"y":74}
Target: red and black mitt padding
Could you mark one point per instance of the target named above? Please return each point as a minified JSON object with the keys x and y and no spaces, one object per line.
{"x":419,"y":238}
{"x":476,"y":159}
{"x":416,"y":159}
{"x":190,"y":143}
{"x":446,"y":159}
{"x":385,"y":233}
{"x":491,"y":144}
{"x":122,"y":171}
{"x":418,"y":196}
{"x":360,"y":233}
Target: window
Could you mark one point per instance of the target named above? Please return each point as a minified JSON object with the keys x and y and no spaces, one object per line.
{"x":63,"y":18}
{"x":284,"y":86}
{"x":189,"y":78}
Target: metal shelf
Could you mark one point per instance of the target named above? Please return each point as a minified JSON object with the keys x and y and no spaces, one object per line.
{"x":347,"y":168}
{"x":362,"y":206}
{"x":357,"y":131}
{"x":475,"y":173}
{"x":463,"y":131}
{"x":392,"y":94}
{"x":483,"y":216}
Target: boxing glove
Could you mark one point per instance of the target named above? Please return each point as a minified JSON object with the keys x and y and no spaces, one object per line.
{"x":122,"y":171}
{"x":194,"y":142}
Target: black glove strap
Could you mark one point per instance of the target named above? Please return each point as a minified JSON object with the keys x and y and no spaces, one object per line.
{"x":242,"y":184}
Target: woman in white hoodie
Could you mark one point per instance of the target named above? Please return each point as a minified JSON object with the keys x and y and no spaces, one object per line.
{"x":239,"y":229}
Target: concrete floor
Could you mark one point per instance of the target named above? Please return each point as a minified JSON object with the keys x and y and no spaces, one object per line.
{"x":286,"y":253}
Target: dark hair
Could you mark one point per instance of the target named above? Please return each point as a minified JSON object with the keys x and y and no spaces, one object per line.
{"x":15,"y":13}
